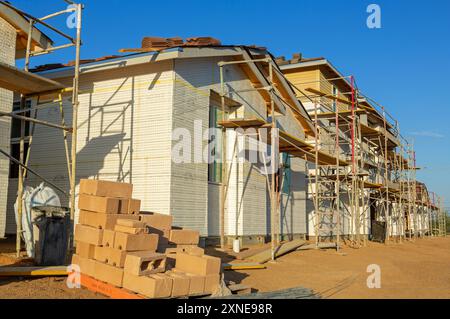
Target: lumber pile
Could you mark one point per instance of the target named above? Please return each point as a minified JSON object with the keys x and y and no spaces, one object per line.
{"x":155,"y":44}
{"x":139,"y":251}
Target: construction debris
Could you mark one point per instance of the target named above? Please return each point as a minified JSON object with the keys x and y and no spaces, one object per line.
{"x":290,"y":293}
{"x":152,"y":44}
{"x":142,"y":254}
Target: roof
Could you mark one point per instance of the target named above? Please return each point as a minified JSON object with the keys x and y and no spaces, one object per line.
{"x":238,"y":52}
{"x":39,"y":40}
{"x":56,"y":66}
{"x":298,"y":62}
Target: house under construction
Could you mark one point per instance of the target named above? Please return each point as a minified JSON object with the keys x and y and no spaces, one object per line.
{"x":343,"y":170}
{"x":371,"y":189}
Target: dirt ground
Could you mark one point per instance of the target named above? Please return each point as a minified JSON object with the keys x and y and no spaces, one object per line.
{"x":418,"y":269}
{"x":34,"y":288}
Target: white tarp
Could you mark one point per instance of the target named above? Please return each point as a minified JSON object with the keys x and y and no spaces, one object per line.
{"x":32,"y":197}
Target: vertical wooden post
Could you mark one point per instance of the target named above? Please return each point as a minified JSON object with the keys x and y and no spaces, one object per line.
{"x":338,"y":182}
{"x":75,"y":105}
{"x":316,"y":174}
{"x":273,"y":200}
{"x":353,"y":148}
{"x":224,"y":176}
{"x":22,"y":149}
{"x":386,"y":178}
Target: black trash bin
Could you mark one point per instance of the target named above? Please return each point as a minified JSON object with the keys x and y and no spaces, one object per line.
{"x":51,"y":227}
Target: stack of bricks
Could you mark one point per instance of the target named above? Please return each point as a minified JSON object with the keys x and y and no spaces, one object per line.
{"x":140,"y":252}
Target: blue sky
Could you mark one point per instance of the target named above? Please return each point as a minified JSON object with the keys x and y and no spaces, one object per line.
{"x":404,"y":65}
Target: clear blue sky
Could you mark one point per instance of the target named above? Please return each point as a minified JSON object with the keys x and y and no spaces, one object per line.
{"x":404,"y":65}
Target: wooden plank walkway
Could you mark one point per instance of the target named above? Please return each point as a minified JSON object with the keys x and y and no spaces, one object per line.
{"x":22,"y":271}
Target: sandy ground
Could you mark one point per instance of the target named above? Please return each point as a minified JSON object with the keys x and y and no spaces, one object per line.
{"x":34,"y":288}
{"x":419,"y":269}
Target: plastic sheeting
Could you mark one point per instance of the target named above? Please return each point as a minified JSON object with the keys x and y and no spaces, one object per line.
{"x":32,"y":197}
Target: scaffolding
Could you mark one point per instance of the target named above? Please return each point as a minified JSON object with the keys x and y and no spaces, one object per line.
{"x":380,"y":179}
{"x":280,"y":141}
{"x":358,"y":173}
{"x":47,"y":93}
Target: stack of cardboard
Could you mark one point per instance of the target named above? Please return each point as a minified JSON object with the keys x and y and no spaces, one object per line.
{"x":141,"y":252}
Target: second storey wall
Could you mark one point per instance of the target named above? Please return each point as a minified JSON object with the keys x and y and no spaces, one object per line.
{"x":124,"y":133}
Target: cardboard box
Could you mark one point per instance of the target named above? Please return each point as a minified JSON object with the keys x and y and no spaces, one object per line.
{"x":106,"y":205}
{"x":134,"y":206}
{"x":144,"y":263}
{"x":88,"y":234}
{"x":199,"y":265}
{"x":110,"y":256}
{"x":87,"y":266}
{"x":85,"y":250}
{"x":184,"y":237}
{"x":135,"y":223}
{"x":102,"y":221}
{"x":108,"y":238}
{"x":212,"y":283}
{"x":157,"y":221}
{"x":180,"y":284}
{"x":129,"y":230}
{"x":148,"y":286}
{"x":105,"y":188}
{"x":130,"y":242}
{"x":108,"y":273}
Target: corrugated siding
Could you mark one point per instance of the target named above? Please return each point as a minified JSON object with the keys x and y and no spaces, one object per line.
{"x":246,"y":205}
{"x":7,"y":55}
{"x":124,"y":133}
{"x":189,"y":182}
{"x":293,"y":203}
